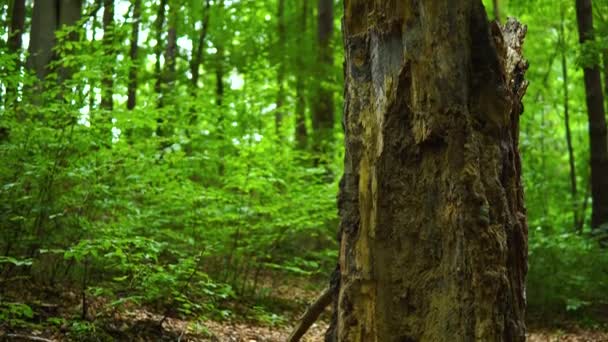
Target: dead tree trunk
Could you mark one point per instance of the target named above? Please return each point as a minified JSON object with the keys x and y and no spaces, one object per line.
{"x":433,"y":233}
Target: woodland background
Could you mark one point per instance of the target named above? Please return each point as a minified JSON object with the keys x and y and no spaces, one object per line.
{"x":184,"y":156}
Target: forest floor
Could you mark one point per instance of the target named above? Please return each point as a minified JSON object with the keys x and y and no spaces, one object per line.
{"x":288,"y":302}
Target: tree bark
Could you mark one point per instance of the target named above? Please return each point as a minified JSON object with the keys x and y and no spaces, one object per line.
{"x":133,"y":52}
{"x":107,"y":82}
{"x":433,"y":233}
{"x":323,"y":107}
{"x":598,"y":137}
{"x":301,"y":134}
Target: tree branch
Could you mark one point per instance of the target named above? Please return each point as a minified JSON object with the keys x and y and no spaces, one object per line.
{"x":311,"y":315}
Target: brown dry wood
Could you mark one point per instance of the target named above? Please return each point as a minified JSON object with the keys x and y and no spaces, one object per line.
{"x":311,"y":315}
{"x":28,"y":337}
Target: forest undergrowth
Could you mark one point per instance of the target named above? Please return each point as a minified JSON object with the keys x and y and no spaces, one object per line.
{"x":55,"y":314}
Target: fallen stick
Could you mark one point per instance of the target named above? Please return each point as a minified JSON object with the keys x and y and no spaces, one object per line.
{"x":29,"y":338}
{"x":311,"y":315}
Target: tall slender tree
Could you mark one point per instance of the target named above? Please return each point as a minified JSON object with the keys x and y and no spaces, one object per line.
{"x":323,"y":105}
{"x":162,"y":71}
{"x":566,"y":92}
{"x":15,"y":34}
{"x":433,"y":234}
{"x":70,"y":12}
{"x":94,"y":26}
{"x":219,"y":92}
{"x":169,"y":75}
{"x":45,"y":19}
{"x":133,"y":55}
{"x":197,"y":57}
{"x":598,"y":134}
{"x":108,"y":46}
{"x":301,"y":134}
{"x":496,"y":4}
{"x":159,"y":25}
{"x":281,"y":32}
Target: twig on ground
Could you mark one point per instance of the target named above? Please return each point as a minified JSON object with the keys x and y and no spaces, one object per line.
{"x":27,"y":337}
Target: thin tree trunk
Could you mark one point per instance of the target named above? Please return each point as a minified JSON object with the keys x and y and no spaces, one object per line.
{"x":301,"y":134}
{"x":323,"y":107}
{"x":598,"y":137}
{"x":163,"y":127}
{"x":197,"y":59}
{"x":278,"y":115}
{"x":158,"y":48}
{"x":219,"y":100}
{"x":15,"y":41}
{"x":70,"y":12}
{"x":171,"y":49}
{"x":108,"y":45}
{"x":605,"y":55}
{"x":433,"y":234}
{"x":133,"y":52}
{"x":94,"y":25}
{"x":45,"y":18}
{"x":219,"y":93}
{"x":573,"y":188}
{"x":496,"y":4}
{"x":159,"y":70}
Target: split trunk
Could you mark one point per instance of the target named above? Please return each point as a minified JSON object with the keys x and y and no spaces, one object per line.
{"x":433,"y":234}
